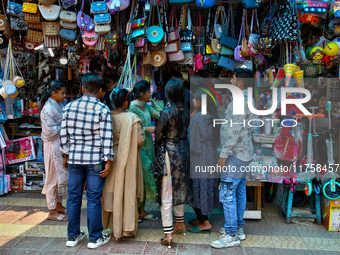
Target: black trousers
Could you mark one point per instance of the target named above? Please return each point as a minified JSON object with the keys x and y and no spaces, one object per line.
{"x":200,"y":216}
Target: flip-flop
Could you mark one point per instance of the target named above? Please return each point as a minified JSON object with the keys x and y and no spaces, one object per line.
{"x":149,"y":217}
{"x":61,"y":217}
{"x":196,"y":229}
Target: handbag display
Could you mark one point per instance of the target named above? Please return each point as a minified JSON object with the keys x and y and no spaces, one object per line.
{"x":68,"y":35}
{"x":226,"y":63}
{"x":68,"y":25}
{"x":18,"y":24}
{"x":51,"y":28}
{"x":219,"y":28}
{"x":173,"y":31}
{"x":140,"y":42}
{"x":155,"y":34}
{"x":51,"y":12}
{"x":176,"y":56}
{"x":89,"y":37}
{"x":172,"y":47}
{"x":68,"y":16}
{"x":14,"y":9}
{"x":99,"y":7}
{"x":84,"y":21}
{"x":30,"y":8}
{"x":68,"y":3}
{"x":226,"y":40}
{"x":102,"y":19}
{"x":102,"y":29}
{"x":186,"y":33}
{"x":52,"y":41}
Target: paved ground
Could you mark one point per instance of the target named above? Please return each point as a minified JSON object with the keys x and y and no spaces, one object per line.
{"x":25,"y":230}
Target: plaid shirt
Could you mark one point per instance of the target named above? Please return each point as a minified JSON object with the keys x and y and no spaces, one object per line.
{"x":86,"y":132}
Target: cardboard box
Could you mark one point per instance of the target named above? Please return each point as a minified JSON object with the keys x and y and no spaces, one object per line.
{"x":331,"y":214}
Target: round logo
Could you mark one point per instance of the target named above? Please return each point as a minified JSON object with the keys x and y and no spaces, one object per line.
{"x":17,"y":10}
{"x":218,"y":46}
{"x":20,"y":25}
{"x":1,"y":40}
{"x":220,"y":29}
{"x":157,"y":58}
{"x":50,"y":11}
{"x":154,"y":33}
{"x":2,"y":23}
{"x":29,"y":45}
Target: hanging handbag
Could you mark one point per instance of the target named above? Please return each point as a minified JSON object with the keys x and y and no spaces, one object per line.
{"x":18,"y":24}
{"x":215,"y":46}
{"x":172,"y":47}
{"x":198,"y":57}
{"x":99,"y":7}
{"x":244,"y":46}
{"x":147,"y":58}
{"x":140,"y":42}
{"x":84,"y":21}
{"x":176,"y":56}
{"x":186,"y":46}
{"x":251,"y":4}
{"x":33,"y":18}
{"x":226,"y":40}
{"x":68,"y":25}
{"x":46,"y":2}
{"x":52,"y":41}
{"x":199,"y":38}
{"x":226,"y":63}
{"x":174,"y":32}
{"x":103,"y":18}
{"x":51,"y":12}
{"x":51,"y":28}
{"x":154,"y":47}
{"x":155,"y":34}
{"x":158,"y":58}
{"x":102,"y":29}
{"x":186,"y":33}
{"x":35,"y":36}
{"x":112,"y":38}
{"x":237,"y":52}
{"x":68,"y":16}
{"x":138,"y":23}
{"x":68,"y":35}
{"x":89,"y":37}
{"x":205,"y":3}
{"x":188,"y":59}
{"x":137,"y":33}
{"x":219,"y":28}
{"x":68,"y":3}
{"x":14,"y":9}
{"x":30,"y":8}
{"x":2,"y":22}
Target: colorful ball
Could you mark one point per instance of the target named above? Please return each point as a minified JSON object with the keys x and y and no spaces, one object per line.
{"x":317,"y":53}
{"x":308,"y":53}
{"x":331,"y":49}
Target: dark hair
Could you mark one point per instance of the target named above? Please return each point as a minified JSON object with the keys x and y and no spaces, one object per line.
{"x":175,"y":93}
{"x":142,"y":86}
{"x":212,"y":110}
{"x":177,"y":75}
{"x":246,"y":76}
{"x":107,"y":79}
{"x":48,"y":89}
{"x":118,"y":97}
{"x":92,"y":83}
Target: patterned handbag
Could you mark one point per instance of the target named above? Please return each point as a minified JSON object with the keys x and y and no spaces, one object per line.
{"x":30,"y":8}
{"x":14,"y":9}
{"x":68,"y":3}
{"x":51,"y":28}
{"x":137,"y":23}
{"x":174,"y":32}
{"x":32,"y":18}
{"x":18,"y":24}
{"x":140,"y":42}
{"x":84,"y":21}
{"x":186,"y":33}
{"x":52,"y":41}
{"x":68,"y":25}
{"x":102,"y":29}
{"x":68,"y":35}
{"x":112,"y":38}
{"x":35,"y":36}
{"x":68,"y":16}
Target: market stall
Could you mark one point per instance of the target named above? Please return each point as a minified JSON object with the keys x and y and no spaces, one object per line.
{"x":287,"y":44}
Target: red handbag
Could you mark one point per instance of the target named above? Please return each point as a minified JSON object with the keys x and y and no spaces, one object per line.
{"x":198,"y":57}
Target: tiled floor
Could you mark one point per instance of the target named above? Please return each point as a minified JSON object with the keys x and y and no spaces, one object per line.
{"x":25,"y":230}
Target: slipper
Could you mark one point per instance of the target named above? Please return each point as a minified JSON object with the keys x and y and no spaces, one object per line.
{"x":196,"y":229}
{"x":149,"y":217}
{"x":63,"y":212}
{"x":139,"y":220}
{"x":61,"y":217}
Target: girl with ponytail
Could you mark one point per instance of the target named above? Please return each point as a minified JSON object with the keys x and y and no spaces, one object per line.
{"x":56,"y":184}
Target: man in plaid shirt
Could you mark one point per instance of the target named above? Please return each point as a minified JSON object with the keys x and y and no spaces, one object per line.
{"x":87,"y":145}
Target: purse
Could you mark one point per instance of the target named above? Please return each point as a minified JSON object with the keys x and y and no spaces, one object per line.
{"x":229,"y":41}
{"x":198,"y":57}
{"x":188,"y":59}
{"x":154,"y":47}
{"x":199,"y":39}
{"x":176,"y":56}
{"x":186,"y":33}
{"x":147,"y":58}
{"x":103,"y":18}
{"x":216,"y":46}
{"x":112,"y":38}
{"x":218,"y":28}
{"x":174,"y":32}
{"x":226,"y":63}
{"x":102,"y":29}
{"x":35,"y":36}
{"x":140,"y":42}
{"x":18,"y":24}
{"x":68,"y":3}
{"x":2,"y":22}
{"x":244,"y":46}
{"x":137,"y":33}
{"x":51,"y":28}
{"x":155,"y":34}
{"x":33,"y":18}
{"x":68,"y":35}
{"x":237,"y":52}
{"x":138,"y":23}
{"x":30,"y":8}
{"x":172,"y":47}
{"x":68,"y":25}
{"x":158,"y":58}
{"x":51,"y":12}
{"x":68,"y":16}
{"x":99,"y":7}
{"x":52,"y":41}
{"x":89,"y":37}
{"x":84,"y":21}
{"x":186,"y":46}
{"x":14,"y":9}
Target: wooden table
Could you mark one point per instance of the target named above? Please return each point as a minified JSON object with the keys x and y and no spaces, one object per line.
{"x":256,"y":213}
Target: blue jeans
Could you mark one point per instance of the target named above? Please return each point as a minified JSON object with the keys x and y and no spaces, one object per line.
{"x":233,"y":198}
{"x":78,"y":174}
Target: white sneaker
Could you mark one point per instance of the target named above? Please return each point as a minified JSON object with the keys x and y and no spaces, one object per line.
{"x":240,"y":233}
{"x":71,"y":242}
{"x":226,"y":241}
{"x":101,"y":241}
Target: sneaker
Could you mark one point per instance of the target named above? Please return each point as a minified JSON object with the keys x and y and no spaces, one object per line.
{"x":101,"y":241}
{"x":226,"y":241}
{"x":240,"y":233}
{"x":71,"y":242}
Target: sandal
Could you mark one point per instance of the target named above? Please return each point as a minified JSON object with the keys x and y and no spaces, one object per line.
{"x":196,"y":229}
{"x":63,"y":211}
{"x":149,"y":217}
{"x":167,"y":241}
{"x":61,"y":217}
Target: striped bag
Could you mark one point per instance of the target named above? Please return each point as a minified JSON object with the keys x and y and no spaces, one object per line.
{"x":52,"y":41}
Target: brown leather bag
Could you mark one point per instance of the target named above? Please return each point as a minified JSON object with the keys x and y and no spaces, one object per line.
{"x":244,"y":47}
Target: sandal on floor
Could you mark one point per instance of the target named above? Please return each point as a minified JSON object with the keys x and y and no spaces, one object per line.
{"x":196,"y":229}
{"x":61,"y":217}
{"x":149,"y":217}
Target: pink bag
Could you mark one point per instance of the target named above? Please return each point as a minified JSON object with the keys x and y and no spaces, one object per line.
{"x":177,"y":56}
{"x":198,"y":57}
{"x":89,"y":37}
{"x":174,"y":34}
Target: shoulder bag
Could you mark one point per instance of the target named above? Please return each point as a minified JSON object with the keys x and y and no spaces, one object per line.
{"x":205,"y":3}
{"x":198,"y":57}
{"x":155,"y":34}
{"x":186,"y":33}
{"x":14,"y":9}
{"x":99,"y":7}
{"x":173,"y":31}
{"x":84,"y":21}
{"x":51,"y":12}
{"x":226,"y":40}
{"x":237,"y":52}
{"x":219,"y":28}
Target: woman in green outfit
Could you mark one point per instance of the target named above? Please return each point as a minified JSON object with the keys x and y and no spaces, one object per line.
{"x":139,"y":106}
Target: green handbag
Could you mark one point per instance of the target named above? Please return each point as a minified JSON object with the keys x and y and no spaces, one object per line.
{"x":226,"y":51}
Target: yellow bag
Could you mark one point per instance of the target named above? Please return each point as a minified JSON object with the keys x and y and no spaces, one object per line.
{"x":209,"y":50}
{"x":30,"y":8}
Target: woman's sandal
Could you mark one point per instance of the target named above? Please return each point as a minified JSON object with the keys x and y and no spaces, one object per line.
{"x":180,"y":230}
{"x":166,"y":241}
{"x":196,"y":229}
{"x":61,"y":217}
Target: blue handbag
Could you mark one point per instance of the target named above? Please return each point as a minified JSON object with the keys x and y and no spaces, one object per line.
{"x":99,"y":7}
{"x":68,"y":35}
{"x":226,"y":63}
{"x":102,"y":19}
{"x":205,"y":3}
{"x":251,"y":4}
{"x":155,"y":34}
{"x":137,"y":33}
{"x":14,"y":9}
{"x":186,"y":46}
{"x":180,"y":1}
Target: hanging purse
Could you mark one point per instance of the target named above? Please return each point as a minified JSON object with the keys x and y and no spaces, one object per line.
{"x":186,"y":46}
{"x":68,"y":35}
{"x":188,"y":59}
{"x":51,"y":12}
{"x":68,"y":25}
{"x":226,"y":63}
{"x":33,"y":18}
{"x":176,"y":56}
{"x":237,"y":52}
{"x":68,"y":3}
{"x":172,"y":47}
{"x":229,"y":41}
{"x":198,"y":57}
{"x":84,"y":21}
{"x":138,"y":23}
{"x":174,"y":32}
{"x":219,"y":28}
{"x":103,"y":18}
{"x":35,"y":36}
{"x":99,"y":7}
{"x":68,"y":16}
{"x":112,"y":38}
{"x":137,"y":33}
{"x":244,"y":46}
{"x":158,"y":58}
{"x":102,"y":29}
{"x":186,"y":33}
{"x":2,"y":22}
{"x":199,"y":38}
{"x":140,"y":42}
{"x":14,"y":9}
{"x":51,"y":28}
{"x":18,"y":24}
{"x":30,"y":8}
{"x":89,"y":37}
{"x":52,"y":41}
{"x":155,"y":34}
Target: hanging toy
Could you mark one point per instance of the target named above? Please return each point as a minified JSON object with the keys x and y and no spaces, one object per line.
{"x":331,"y":49}
{"x":279,"y":77}
{"x":289,"y":70}
{"x":317,"y":53}
{"x":308,"y":53}
{"x":310,"y":71}
{"x":298,"y":76}
{"x":337,"y":41}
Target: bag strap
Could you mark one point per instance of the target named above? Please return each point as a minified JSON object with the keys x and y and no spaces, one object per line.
{"x":189,"y":18}
{"x":242,"y":29}
{"x":182,"y":17}
{"x":199,"y":37}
